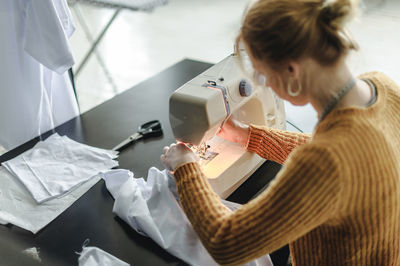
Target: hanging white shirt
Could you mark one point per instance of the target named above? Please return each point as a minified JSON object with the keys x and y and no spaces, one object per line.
{"x":36,"y":93}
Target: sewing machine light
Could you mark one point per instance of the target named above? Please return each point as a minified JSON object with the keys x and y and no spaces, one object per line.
{"x":259,"y":79}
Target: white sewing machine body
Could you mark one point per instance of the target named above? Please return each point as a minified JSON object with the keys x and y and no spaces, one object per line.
{"x":199,"y":108}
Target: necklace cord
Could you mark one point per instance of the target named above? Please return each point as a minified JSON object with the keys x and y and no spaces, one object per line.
{"x":335,"y":99}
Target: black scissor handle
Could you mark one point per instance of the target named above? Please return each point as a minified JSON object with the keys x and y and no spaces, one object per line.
{"x":151,"y":129}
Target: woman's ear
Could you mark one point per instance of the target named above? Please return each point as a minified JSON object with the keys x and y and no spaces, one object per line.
{"x":293,"y":69}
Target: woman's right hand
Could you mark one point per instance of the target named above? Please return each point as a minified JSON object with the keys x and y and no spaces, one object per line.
{"x":235,"y":131}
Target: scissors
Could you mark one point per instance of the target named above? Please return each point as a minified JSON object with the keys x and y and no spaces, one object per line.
{"x":147,"y":130}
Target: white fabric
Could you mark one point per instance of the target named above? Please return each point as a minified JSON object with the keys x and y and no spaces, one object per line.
{"x":19,"y":208}
{"x":151,"y":208}
{"x":93,"y":256}
{"x":35,"y":91}
{"x":33,"y":253}
{"x":57,"y":165}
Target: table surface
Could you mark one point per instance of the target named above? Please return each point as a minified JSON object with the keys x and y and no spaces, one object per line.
{"x":91,"y":217}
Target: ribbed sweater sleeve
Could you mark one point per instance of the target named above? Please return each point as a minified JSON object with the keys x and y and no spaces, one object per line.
{"x":274,"y":144}
{"x":303,"y":196}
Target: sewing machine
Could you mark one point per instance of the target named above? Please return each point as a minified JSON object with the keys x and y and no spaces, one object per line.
{"x":199,"y":108}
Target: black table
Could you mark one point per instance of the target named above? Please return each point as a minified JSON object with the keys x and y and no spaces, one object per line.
{"x":91,"y":216}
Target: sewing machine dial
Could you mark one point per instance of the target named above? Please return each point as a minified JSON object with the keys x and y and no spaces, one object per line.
{"x":245,"y":88}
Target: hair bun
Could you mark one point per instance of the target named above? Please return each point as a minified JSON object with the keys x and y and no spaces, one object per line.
{"x":335,"y":13}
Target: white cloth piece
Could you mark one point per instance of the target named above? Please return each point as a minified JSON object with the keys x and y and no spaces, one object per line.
{"x":36,"y":93}
{"x":151,"y":208}
{"x":93,"y":256}
{"x":47,"y":24}
{"x":17,"y":206}
{"x":57,"y":165}
{"x":117,"y":178}
{"x":33,"y":253}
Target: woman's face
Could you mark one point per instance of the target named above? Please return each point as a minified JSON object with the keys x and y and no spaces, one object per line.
{"x":278,"y":81}
{"x":272,"y":78}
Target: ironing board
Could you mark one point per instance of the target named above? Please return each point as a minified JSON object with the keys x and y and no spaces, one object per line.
{"x":118,"y":5}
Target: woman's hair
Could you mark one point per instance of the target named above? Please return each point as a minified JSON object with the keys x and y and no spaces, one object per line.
{"x":276,"y":31}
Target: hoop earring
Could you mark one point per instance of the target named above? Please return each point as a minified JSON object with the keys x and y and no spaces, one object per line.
{"x":291,"y":92}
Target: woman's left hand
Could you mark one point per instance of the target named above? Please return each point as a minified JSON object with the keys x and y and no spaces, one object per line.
{"x":176,"y":155}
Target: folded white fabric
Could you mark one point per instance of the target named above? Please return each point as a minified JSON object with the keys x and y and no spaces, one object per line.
{"x":151,"y":208}
{"x":93,"y":256}
{"x":19,"y":208}
{"x":57,"y":165}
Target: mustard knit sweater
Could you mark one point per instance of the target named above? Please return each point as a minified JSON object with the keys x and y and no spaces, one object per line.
{"x":336,"y":200}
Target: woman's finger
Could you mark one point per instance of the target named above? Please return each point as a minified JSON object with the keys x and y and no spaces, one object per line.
{"x":165,"y":149}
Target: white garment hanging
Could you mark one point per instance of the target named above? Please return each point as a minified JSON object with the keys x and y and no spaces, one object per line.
{"x":36,"y":93}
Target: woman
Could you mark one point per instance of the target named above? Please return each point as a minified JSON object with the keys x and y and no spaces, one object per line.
{"x":336,"y":200}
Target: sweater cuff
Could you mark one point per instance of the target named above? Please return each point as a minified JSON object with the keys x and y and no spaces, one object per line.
{"x":186,"y":170}
{"x":257,"y":138}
